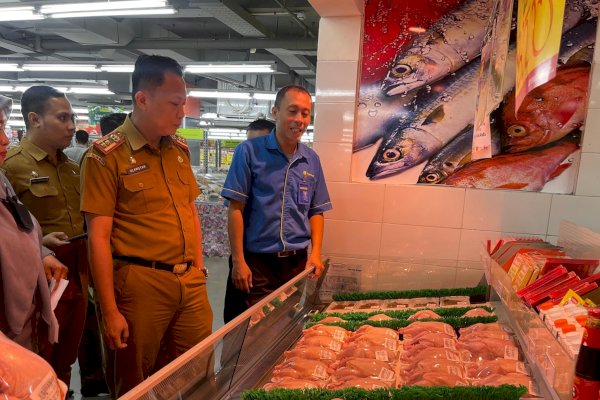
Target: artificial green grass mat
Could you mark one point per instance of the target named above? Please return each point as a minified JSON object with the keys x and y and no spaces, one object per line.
{"x":504,"y":392}
{"x":398,"y":314}
{"x":411,"y":294}
{"x":455,"y":322}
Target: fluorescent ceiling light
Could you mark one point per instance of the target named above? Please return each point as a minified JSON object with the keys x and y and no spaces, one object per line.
{"x":61,"y":67}
{"x":224,"y":130}
{"x":19,"y":14}
{"x":219,"y":95}
{"x":209,"y":115}
{"x":102,"y":5}
{"x":15,"y":122}
{"x":117,"y":68}
{"x":114,"y":13}
{"x":83,"y":118}
{"x":10,"y":67}
{"x":79,"y":110}
{"x":264,"y":96}
{"x":89,"y":90}
{"x":229,"y":68}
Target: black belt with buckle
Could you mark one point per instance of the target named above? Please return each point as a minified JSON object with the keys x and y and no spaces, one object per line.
{"x":174,"y":268}
{"x":280,"y":254}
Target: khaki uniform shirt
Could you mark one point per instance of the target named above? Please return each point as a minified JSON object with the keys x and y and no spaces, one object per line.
{"x":148,"y":193}
{"x":49,"y":190}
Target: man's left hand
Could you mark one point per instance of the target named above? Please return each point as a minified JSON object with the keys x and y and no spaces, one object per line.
{"x":315,"y":260}
{"x":54,"y":269}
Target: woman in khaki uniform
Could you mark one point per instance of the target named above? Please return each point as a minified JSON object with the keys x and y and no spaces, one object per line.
{"x":145,"y":253}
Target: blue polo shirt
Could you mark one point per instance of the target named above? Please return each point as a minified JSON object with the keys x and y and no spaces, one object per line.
{"x":280,"y":195}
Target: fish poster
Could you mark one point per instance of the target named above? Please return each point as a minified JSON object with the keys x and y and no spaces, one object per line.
{"x":420,"y":86}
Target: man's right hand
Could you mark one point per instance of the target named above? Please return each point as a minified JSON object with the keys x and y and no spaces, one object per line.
{"x":116,"y":330}
{"x":241,"y":276}
{"x":55,"y":239}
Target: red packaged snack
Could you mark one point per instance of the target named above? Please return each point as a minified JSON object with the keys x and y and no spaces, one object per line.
{"x":543,"y":293}
{"x":580,"y":288}
{"x":555,"y":274}
{"x":582,"y":267}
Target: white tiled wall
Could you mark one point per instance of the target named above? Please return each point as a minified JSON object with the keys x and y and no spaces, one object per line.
{"x":387,"y":226}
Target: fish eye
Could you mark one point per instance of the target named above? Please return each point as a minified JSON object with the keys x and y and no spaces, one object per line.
{"x":392,"y":155}
{"x":517,"y":131}
{"x":401,"y":70}
{"x":433,"y":177}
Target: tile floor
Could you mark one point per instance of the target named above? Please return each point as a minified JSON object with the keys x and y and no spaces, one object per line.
{"x":217,"y":280}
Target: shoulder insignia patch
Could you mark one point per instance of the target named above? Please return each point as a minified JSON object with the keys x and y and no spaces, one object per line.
{"x":180,"y":141}
{"x":13,"y":152}
{"x":109,"y":142}
{"x":95,"y":157}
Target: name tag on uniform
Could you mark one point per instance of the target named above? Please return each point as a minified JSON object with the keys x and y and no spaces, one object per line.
{"x":39,"y":179}
{"x":137,"y":168}
{"x":303,"y":190}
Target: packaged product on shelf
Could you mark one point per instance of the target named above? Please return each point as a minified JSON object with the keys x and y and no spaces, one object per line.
{"x":425,"y":302}
{"x":582,"y":267}
{"x":341,"y":307}
{"x":368,"y":305}
{"x":586,"y":384}
{"x":455,"y":301}
{"x":396,"y":304}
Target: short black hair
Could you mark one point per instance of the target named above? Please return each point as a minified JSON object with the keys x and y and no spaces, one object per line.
{"x":261,"y":124}
{"x":82,"y":136}
{"x":149,"y":72}
{"x":35,"y":100}
{"x":281,"y":93}
{"x":110,"y":122}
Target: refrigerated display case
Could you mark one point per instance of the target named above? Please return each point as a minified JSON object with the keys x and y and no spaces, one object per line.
{"x":242,"y":354}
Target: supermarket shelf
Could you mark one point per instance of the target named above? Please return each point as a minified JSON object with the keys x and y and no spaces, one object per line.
{"x":552,"y":367}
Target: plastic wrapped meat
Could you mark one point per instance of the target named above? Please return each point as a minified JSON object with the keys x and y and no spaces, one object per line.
{"x":483,"y":369}
{"x":431,"y":364}
{"x":437,"y":379}
{"x":418,"y":327}
{"x":380,"y":317}
{"x":335,"y":332}
{"x":364,"y":383}
{"x":423,"y":314}
{"x":312,"y":353}
{"x":490,"y":349}
{"x":477,"y":312}
{"x":364,"y":368}
{"x":428,"y":339}
{"x":293,"y":383}
{"x":376,"y":337}
{"x":374,"y":331}
{"x":367,"y":350}
{"x":494,"y":326}
{"x":476,"y":335}
{"x":25,"y":375}
{"x":326,"y":342}
{"x":331,"y":319}
{"x":435,"y":353}
{"x":301,"y":368}
{"x":505,"y":379}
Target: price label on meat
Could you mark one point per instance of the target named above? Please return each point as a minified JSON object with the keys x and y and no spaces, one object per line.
{"x":390,"y":344}
{"x":386,"y":374}
{"x":511,"y":353}
{"x":335,"y":345}
{"x":326,"y":355}
{"x":520,"y":368}
{"x":381,"y":355}
{"x":452,"y":356}
{"x":320,"y":372}
{"x":449,"y":344}
{"x":339,"y":335}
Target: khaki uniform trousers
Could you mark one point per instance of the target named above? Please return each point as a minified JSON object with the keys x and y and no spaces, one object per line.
{"x":167,"y":314}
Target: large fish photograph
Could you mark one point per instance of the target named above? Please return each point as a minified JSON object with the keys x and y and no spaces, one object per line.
{"x":423,"y":64}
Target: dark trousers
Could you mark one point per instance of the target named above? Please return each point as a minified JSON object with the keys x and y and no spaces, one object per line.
{"x":70,"y":311}
{"x":269,"y":273}
{"x":90,"y":351}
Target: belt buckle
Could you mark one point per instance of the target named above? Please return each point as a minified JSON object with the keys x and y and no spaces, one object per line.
{"x":179,"y":269}
{"x":287,"y":253}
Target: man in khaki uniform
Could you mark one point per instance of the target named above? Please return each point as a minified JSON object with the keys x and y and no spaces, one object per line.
{"x":47,"y":182}
{"x":145,"y":238}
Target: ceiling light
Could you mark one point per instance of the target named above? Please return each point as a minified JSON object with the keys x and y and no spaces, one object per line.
{"x":114,"y":13}
{"x":79,"y":110}
{"x":219,"y":95}
{"x":83,"y":118}
{"x":229,"y":68}
{"x":6,"y":88}
{"x":264,"y":96}
{"x":89,"y":90}
{"x":209,"y":115}
{"x":224,"y":130}
{"x":61,"y":67}
{"x":102,"y":5}
{"x":117,"y":68}
{"x":12,"y":122}
{"x":19,"y":14}
{"x":10,"y":67}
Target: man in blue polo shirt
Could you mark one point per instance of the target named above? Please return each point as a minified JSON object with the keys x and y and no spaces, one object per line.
{"x":277,"y":196}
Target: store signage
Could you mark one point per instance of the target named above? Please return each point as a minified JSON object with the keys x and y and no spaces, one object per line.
{"x":191,"y":133}
{"x":539,"y":28}
{"x":95,"y":112}
{"x":230,"y":144}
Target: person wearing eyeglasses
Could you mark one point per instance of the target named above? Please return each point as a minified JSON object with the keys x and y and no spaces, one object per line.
{"x":47,"y":182}
{"x":26,"y":266}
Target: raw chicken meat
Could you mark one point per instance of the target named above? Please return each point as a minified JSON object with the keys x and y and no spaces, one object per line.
{"x":428,"y":339}
{"x":331,"y":319}
{"x":477,"y":312}
{"x":490,"y":349}
{"x":367,"y":350}
{"x":505,"y":379}
{"x":417,"y":327}
{"x":431,"y":364}
{"x":25,"y":375}
{"x":494,"y":326}
{"x":364,"y":368}
{"x":301,"y":368}
{"x":437,"y":379}
{"x":476,"y":335}
{"x":424,"y":314}
{"x":435,"y":353}
{"x":380,"y":317}
{"x":500,"y":366}
{"x":335,"y":332}
{"x":373,"y":336}
{"x":365,"y":383}
{"x":372,"y":330}
{"x":312,"y":353}
{"x":320,"y":341}
{"x":293,"y":383}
